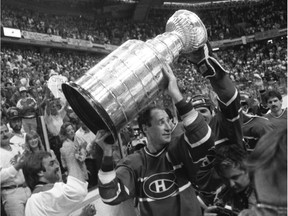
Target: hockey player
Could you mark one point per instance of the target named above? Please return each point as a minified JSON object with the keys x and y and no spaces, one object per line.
{"x":159,"y":176}
{"x":227,"y":123}
{"x":277,"y":116}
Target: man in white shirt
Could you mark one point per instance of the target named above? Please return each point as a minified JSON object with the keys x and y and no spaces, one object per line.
{"x":27,"y":106}
{"x":50,"y":196}
{"x":85,"y":137}
{"x":54,"y":117}
{"x":14,"y":192}
{"x":54,"y":120}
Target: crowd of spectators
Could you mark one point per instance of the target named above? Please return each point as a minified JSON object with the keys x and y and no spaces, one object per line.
{"x":229,"y":22}
{"x":31,"y":68}
{"x":225,"y":23}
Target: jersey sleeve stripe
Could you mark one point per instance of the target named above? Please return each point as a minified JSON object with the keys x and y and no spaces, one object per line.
{"x":189,"y":117}
{"x":234,"y":119}
{"x":184,"y":187}
{"x":221,"y":141}
{"x":106,"y":177}
{"x":112,"y":198}
{"x":231,"y":100}
{"x":203,"y":140}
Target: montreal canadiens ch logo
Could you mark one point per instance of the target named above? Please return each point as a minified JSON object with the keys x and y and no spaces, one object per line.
{"x":160,"y":185}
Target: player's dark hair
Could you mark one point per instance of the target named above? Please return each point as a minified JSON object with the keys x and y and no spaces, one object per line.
{"x":144,"y":117}
{"x":272,"y":94}
{"x":229,"y":156}
{"x":169,"y":113}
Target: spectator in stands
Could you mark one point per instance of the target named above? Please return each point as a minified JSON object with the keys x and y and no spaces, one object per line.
{"x":54,"y":120}
{"x":67,"y":135}
{"x":15,"y":122}
{"x":51,"y":197}
{"x":72,"y":118}
{"x":268,"y":165}
{"x":14,"y":192}
{"x":33,"y":143}
{"x":137,"y":139}
{"x":85,"y":138}
{"x":27,"y":106}
{"x":277,"y":116}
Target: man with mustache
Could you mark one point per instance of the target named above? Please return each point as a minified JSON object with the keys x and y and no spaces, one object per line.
{"x":50,"y":196}
{"x":14,"y":192}
{"x":277,"y":115}
{"x":15,"y":122}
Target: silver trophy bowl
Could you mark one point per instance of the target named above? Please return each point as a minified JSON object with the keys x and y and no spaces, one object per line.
{"x":113,"y":92}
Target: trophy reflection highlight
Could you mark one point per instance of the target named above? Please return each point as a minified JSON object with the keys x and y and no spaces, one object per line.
{"x":113,"y":92}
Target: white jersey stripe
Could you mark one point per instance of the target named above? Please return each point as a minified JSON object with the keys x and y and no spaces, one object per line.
{"x":203,"y":140}
{"x":113,"y":198}
{"x":184,"y":187}
{"x":231,"y":100}
{"x":221,"y":141}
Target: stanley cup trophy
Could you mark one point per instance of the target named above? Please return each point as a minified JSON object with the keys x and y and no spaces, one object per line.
{"x":113,"y":92}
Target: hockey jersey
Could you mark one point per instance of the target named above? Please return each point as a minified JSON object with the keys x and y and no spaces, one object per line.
{"x":227,"y":123}
{"x":280,"y":121}
{"x":162,"y":182}
{"x":254,"y":127}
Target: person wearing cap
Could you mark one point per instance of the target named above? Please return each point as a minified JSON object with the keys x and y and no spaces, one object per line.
{"x":15,"y":122}
{"x":27,"y":106}
{"x":14,"y":193}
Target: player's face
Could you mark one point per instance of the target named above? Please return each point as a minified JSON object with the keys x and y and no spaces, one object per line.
{"x":237,"y":178}
{"x":160,"y":130}
{"x":205,"y":112}
{"x":274,"y":104}
{"x":52,"y":170}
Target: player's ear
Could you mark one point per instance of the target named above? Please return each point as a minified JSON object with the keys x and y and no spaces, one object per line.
{"x":41,"y":173}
